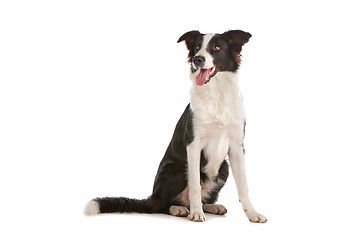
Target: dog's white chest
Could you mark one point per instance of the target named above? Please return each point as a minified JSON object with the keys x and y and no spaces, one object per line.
{"x":218,"y":118}
{"x":216,"y":147}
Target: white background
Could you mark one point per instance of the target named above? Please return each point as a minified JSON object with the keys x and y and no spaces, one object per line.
{"x":90,"y":92}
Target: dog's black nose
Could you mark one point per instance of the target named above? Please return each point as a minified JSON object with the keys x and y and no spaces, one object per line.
{"x":199,"y":61}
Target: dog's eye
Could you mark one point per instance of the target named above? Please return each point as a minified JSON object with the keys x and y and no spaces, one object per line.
{"x":197,"y":48}
{"x":216,"y":47}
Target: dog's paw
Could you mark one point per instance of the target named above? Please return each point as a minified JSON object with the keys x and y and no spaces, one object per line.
{"x":179,"y":211}
{"x":215,"y":209}
{"x":255,"y":217}
{"x":197,"y":216}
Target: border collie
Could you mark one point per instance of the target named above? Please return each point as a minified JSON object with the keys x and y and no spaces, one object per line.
{"x":194,"y":169}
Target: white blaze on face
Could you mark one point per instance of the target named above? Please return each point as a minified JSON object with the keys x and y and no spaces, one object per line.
{"x":208,"y":58}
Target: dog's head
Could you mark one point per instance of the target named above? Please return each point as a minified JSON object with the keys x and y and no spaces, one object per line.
{"x":213,"y":53}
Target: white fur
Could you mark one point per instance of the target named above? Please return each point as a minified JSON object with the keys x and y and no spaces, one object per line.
{"x":193,"y":155}
{"x":218,"y":129}
{"x":92,"y":208}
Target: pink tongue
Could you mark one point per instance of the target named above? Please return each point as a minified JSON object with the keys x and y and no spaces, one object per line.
{"x":202,"y":77}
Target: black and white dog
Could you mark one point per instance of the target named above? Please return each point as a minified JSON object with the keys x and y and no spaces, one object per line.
{"x":194,"y":169}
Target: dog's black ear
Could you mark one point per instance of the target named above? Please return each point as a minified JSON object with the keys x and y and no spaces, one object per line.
{"x":190,"y":38}
{"x":236,"y":39}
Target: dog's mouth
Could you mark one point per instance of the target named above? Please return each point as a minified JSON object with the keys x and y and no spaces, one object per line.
{"x":205,"y":75}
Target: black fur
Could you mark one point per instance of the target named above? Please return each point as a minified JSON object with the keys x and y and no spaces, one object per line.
{"x":193,"y":39}
{"x":122,"y":204}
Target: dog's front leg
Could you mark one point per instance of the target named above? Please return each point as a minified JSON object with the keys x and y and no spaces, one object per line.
{"x":196,"y":211}
{"x":237,"y":163}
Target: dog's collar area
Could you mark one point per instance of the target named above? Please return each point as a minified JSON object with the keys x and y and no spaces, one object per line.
{"x":205,"y":75}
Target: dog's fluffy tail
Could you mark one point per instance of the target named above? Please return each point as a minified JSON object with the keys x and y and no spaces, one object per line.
{"x":117,"y":205}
